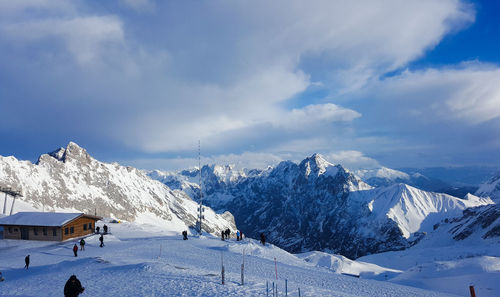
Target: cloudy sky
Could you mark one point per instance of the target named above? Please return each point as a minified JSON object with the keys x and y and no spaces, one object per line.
{"x":365,"y":83}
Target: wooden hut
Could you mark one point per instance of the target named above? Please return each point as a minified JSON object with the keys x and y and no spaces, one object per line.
{"x":48,"y":226}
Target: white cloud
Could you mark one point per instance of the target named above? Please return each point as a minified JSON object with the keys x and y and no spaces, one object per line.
{"x":84,"y":37}
{"x":225,"y":72}
{"x":469,"y":94}
{"x":352,"y":160}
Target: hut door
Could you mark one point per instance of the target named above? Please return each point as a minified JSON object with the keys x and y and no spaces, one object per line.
{"x":25,"y":233}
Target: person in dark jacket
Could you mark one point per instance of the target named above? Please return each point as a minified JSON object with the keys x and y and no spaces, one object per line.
{"x":185,"y":234}
{"x":97,"y":229}
{"x":101,"y":239}
{"x":75,"y":250}
{"x":105,"y":228}
{"x":82,"y":244}
{"x":27,"y":262}
{"x":228,"y":233}
{"x":222,"y":235}
{"x":73,"y":287}
{"x":263,"y":238}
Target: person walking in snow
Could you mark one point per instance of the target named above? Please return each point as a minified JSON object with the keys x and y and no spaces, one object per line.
{"x":105,"y":228}
{"x":73,"y":287}
{"x":238,"y":235}
{"x":82,"y":244}
{"x":97,"y":229}
{"x":27,"y":262}
{"x":228,"y":233}
{"x":222,"y":235}
{"x":101,"y":239}
{"x":263,"y":238}
{"x":185,"y":235}
{"x":75,"y":250}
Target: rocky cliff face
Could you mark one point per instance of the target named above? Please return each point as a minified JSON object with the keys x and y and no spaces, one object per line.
{"x":315,"y":205}
{"x":70,"y":179}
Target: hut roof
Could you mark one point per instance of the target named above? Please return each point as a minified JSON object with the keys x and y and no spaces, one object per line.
{"x":50,"y":219}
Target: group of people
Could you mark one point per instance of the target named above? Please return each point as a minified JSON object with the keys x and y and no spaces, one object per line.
{"x":104,"y":228}
{"x":226,"y":234}
{"x":82,"y":245}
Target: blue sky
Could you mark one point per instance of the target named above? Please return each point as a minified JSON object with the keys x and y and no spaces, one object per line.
{"x":393,"y":83}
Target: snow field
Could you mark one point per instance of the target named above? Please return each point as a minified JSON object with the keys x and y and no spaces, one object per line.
{"x":130,"y":264}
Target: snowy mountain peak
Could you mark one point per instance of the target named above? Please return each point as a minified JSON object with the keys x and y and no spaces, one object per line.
{"x":317,"y":165}
{"x":72,"y":152}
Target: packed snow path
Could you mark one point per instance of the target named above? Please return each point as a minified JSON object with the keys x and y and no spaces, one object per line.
{"x":130,"y":264}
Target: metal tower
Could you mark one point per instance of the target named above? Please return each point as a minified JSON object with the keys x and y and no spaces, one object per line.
{"x":200,"y":207}
{"x":9,"y":191}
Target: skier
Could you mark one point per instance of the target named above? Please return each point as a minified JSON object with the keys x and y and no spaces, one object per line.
{"x":263,"y":238}
{"x":105,"y":228}
{"x":73,"y":287}
{"x":27,"y":261}
{"x":222,"y":235}
{"x":185,"y":234}
{"x":238,"y":235}
{"x":75,"y":250}
{"x":97,"y":229}
{"x":82,"y":244}
{"x":101,"y":239}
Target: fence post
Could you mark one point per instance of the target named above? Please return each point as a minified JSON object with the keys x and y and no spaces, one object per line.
{"x":276,"y":268}
{"x":222,"y":269}
{"x":267,"y":289}
{"x":472,"y":293}
{"x":286,"y":288}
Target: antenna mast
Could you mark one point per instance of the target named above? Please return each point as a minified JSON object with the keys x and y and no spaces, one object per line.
{"x":200,"y":207}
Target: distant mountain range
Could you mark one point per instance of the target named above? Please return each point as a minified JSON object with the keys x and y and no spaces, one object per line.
{"x":69,"y":179}
{"x":315,"y":205}
{"x":312,"y":205}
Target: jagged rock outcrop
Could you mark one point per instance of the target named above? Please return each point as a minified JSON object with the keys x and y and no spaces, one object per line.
{"x":70,"y":179}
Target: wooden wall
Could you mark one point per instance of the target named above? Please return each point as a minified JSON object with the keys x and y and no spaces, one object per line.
{"x":78,"y":229}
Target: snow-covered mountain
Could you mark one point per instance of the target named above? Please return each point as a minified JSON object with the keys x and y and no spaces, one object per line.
{"x":383,"y":176}
{"x":69,"y":179}
{"x":491,"y":188}
{"x":316,"y":205}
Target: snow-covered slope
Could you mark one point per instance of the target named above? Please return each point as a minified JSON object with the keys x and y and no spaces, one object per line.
{"x":383,"y":176}
{"x":458,"y":252}
{"x":491,"y":188}
{"x":412,"y":209}
{"x":69,"y":179}
{"x":139,"y":261}
{"x":316,"y":205}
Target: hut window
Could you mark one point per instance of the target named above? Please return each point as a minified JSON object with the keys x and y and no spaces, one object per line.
{"x":44,"y":230}
{"x":90,"y":226}
{"x":15,"y":229}
{"x":66,"y":231}
{"x":84,"y":227}
{"x":35,"y":230}
{"x":54,"y":232}
{"x":71,"y":230}
{"x":10,"y":229}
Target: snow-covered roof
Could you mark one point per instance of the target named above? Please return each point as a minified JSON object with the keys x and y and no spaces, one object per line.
{"x":51,"y":219}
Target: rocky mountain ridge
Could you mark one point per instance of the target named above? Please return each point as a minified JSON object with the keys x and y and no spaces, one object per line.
{"x":315,"y":205}
{"x":69,"y":179}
